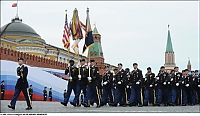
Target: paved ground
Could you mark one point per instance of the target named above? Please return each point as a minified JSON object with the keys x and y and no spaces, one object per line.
{"x":47,"y":107}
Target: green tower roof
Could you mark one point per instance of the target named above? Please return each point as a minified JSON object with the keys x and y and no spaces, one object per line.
{"x":169,"y":47}
{"x":95,"y":31}
{"x":95,"y":50}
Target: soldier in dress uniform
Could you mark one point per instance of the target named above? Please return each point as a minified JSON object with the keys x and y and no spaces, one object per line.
{"x":176,"y":89}
{"x":191,"y":88}
{"x":149,"y":87}
{"x":81,"y":84}
{"x":136,"y":83}
{"x":92,"y":88}
{"x":107,"y":87}
{"x":72,"y":72}
{"x":65,"y":94}
{"x":128,"y":84}
{"x":50,"y":94}
{"x":184,"y":87}
{"x":159,"y":83}
{"x":2,"y":89}
{"x":167,"y":88}
{"x":22,"y":85}
{"x":30,"y":90}
{"x":45,"y":94}
{"x":119,"y":88}
{"x":197,"y":85}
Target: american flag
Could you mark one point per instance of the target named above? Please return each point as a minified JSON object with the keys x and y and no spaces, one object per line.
{"x":66,"y":34}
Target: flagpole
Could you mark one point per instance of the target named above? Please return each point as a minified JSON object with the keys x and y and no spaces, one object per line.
{"x":17,"y":10}
{"x":89,"y":60}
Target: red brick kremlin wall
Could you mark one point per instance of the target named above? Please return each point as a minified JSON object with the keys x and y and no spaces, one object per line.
{"x":32,"y":60}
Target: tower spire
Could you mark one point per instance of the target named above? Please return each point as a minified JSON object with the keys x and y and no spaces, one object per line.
{"x":169,"y":47}
{"x":169,"y":53}
{"x":189,"y":66}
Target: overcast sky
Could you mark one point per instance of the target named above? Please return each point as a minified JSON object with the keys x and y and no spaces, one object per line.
{"x":131,"y":31}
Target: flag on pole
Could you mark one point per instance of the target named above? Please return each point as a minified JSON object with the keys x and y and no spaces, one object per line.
{"x":75,"y":46}
{"x":66,"y":34}
{"x":14,"y":5}
{"x":88,"y":37}
{"x":75,"y":26}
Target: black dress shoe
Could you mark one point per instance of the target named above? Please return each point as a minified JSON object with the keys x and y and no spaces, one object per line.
{"x":29,"y":108}
{"x":114,"y":105}
{"x":98,"y":106}
{"x":72,"y":103}
{"x":63,"y":103}
{"x":140,"y":105}
{"x":132,"y":104}
{"x":9,"y":106}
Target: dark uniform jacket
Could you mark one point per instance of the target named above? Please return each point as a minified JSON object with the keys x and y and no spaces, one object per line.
{"x":175,"y":79}
{"x":149,"y":80}
{"x":136,"y":76}
{"x":84,"y":74}
{"x":73,"y":72}
{"x":30,"y":90}
{"x":160,"y":78}
{"x":2,"y":88}
{"x":197,"y":81}
{"x":119,"y":79}
{"x":22,"y":72}
{"x":107,"y":78}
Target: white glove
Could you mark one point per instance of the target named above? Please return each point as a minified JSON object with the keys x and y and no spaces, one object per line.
{"x":137,"y":83}
{"x":119,"y":82}
{"x":187,"y":85}
{"x":182,"y":82}
{"x":172,"y":79}
{"x":155,"y":84}
{"x":105,"y":82}
{"x":168,"y":82}
{"x":151,"y":86}
{"x":127,"y":86}
{"x":198,"y":85}
{"x":89,"y":78}
{"x":157,"y":78}
{"x":164,"y":83}
{"x":113,"y":79}
{"x":79,"y":76}
{"x":177,"y":84}
{"x":70,"y":78}
{"x":145,"y":79}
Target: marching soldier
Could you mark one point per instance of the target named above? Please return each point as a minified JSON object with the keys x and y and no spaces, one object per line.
{"x":191,"y":88}
{"x":107,"y":86}
{"x":45,"y":94}
{"x":197,"y":85}
{"x":2,"y":90}
{"x":149,"y":87}
{"x":92,"y":88}
{"x":128,"y":84}
{"x":30,"y":90}
{"x":136,"y":82}
{"x":50,"y":94}
{"x":65,"y":94}
{"x":160,"y":79}
{"x":175,"y":86}
{"x":22,"y":85}
{"x":119,"y":89}
{"x":184,"y":87}
{"x":72,"y":71}
{"x":81,"y":84}
{"x":167,"y":88}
